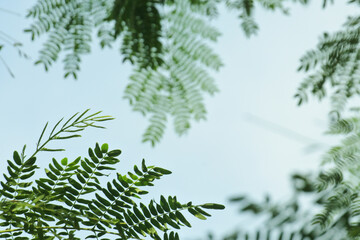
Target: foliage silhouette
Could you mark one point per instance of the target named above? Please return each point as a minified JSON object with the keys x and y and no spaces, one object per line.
{"x":72,"y":197}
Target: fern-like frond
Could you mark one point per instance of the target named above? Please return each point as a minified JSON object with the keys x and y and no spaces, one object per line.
{"x":291,"y":219}
{"x":69,"y":26}
{"x":341,"y":178}
{"x":334,"y":63}
{"x":70,"y":196}
{"x":175,"y":90}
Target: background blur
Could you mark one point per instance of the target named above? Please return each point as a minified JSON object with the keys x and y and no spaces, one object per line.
{"x":254,"y":137}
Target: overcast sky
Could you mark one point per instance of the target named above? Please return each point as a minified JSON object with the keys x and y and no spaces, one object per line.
{"x":239,"y":149}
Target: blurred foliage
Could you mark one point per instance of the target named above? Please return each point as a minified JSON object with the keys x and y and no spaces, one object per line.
{"x":289,"y":219}
{"x":334,"y":210}
{"x":333,"y":67}
{"x":72,"y":199}
{"x":7,"y":41}
{"x":166,"y":41}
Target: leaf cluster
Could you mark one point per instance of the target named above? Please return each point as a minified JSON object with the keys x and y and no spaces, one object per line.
{"x":164,"y":40}
{"x":175,"y":89}
{"x":340,"y":176}
{"x":333,"y":67}
{"x":73,"y":197}
{"x":288,"y":219}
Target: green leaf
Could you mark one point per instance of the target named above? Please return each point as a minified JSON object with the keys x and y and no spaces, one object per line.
{"x":102,"y":200}
{"x":202,"y":212}
{"x":50,"y":174}
{"x":30,"y":162}
{"x":80,"y":178}
{"x":115,"y":214}
{"x":122,"y":180}
{"x":64,"y":161}
{"x":164,"y":204}
{"x":109,"y":195}
{"x":12,"y":174}
{"x":145,"y":210}
{"x":67,"y":137}
{"x":75,"y":162}
{"x":139,"y":230}
{"x":95,"y":210}
{"x":54,"y":170}
{"x":71,"y":168}
{"x":7,"y":187}
{"x":90,"y":163}
{"x":161,"y":170}
{"x":92,"y":156}
{"x":52,"y":150}
{"x":137,"y":171}
{"x":170,"y":222}
{"x":157,"y":224}
{"x":143,"y":166}
{"x":133,"y":176}
{"x":71,"y":190}
{"x":57,"y":165}
{"x":26,"y":176}
{"x":213,"y":206}
{"x":159,"y":208}
{"x":133,"y":216}
{"x":128,"y":200}
{"x":98,"y":151}
{"x":86,"y":167}
{"x":104,"y":148}
{"x":118,"y":186}
{"x":172,"y":202}
{"x":6,"y":194}
{"x":128,"y":219}
{"x":43,"y":185}
{"x":138,"y":213}
{"x":17,"y":158}
{"x":152,"y":208}
{"x":196,"y":214}
{"x":42,"y":134}
{"x":114,"y":192}
{"x":13,"y":166}
{"x":75,"y":183}
{"x":114,"y":153}
{"x":182,"y":218}
{"x":150,"y":228}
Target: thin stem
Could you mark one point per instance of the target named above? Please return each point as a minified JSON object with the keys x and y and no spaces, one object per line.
{"x":8,"y":36}
{"x":10,"y":12}
{"x":85,"y":184}
{"x":7,"y":67}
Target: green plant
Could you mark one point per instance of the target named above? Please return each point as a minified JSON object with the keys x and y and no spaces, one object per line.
{"x":74,"y":198}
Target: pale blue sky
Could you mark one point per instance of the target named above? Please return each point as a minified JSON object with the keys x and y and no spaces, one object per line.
{"x":220,"y":157}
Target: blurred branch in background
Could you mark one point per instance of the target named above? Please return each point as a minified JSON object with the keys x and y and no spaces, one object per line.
{"x":7,"y":40}
{"x":312,"y":144}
